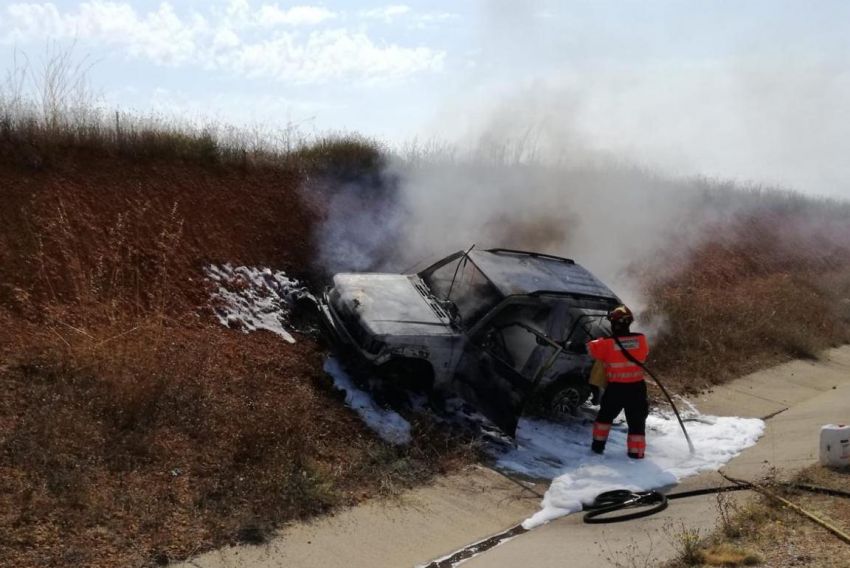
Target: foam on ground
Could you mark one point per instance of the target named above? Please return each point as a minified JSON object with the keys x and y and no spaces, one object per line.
{"x":388,"y":424}
{"x":251,"y":298}
{"x":561,"y":452}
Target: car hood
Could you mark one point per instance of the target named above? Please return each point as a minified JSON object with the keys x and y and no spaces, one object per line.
{"x":390,"y":304}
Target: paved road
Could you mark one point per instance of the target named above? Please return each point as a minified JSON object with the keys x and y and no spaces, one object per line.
{"x":813,"y":393}
{"x":423,"y":524}
{"x":434,"y":521}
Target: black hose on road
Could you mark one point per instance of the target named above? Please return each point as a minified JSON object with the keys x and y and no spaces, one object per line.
{"x":646,"y":502}
{"x":650,"y":502}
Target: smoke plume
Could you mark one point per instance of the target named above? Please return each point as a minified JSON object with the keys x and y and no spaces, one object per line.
{"x":601,"y":162}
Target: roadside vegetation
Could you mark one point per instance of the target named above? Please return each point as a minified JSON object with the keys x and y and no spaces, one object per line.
{"x":768,"y":284}
{"x":758,"y":531}
{"x":134,"y":429}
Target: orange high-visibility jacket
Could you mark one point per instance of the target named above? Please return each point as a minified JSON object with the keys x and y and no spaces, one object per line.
{"x":618,"y":368}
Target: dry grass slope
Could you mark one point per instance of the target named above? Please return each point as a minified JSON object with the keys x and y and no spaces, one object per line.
{"x":133,"y":428}
{"x":765,"y":286}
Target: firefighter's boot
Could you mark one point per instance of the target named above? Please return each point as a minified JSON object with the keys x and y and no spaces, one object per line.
{"x":600,"y":436}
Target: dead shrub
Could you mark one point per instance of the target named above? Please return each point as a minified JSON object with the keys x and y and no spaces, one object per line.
{"x":728,"y":514}
{"x":750,"y":295}
{"x":686,"y":543}
{"x":730,"y":556}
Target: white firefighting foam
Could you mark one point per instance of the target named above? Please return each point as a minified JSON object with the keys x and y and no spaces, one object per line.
{"x":561,"y":451}
{"x":251,"y":298}
{"x":388,"y":424}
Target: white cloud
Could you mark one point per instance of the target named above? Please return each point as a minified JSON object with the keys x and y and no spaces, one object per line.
{"x":330,"y":54}
{"x":273,"y":15}
{"x":393,"y":12}
{"x":160,"y":35}
{"x":264,"y":41}
{"x":386,"y":13}
{"x":435,"y":18}
{"x":225,"y":38}
{"x":241,"y":14}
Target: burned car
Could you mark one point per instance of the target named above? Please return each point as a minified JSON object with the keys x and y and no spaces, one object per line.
{"x":503,"y":329}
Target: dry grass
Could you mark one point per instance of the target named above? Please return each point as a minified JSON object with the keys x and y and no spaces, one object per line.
{"x":767,"y":533}
{"x":760,"y":289}
{"x":686,"y":543}
{"x":729,"y":515}
{"x":175,"y":438}
{"x":133,"y":430}
{"x":136,"y":442}
{"x":728,"y":555}
{"x":49,"y":112}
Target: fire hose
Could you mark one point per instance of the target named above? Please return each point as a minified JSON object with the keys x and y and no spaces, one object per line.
{"x":651,"y":502}
{"x":647,"y":502}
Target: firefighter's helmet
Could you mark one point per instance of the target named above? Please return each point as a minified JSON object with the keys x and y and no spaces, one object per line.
{"x":621,"y":315}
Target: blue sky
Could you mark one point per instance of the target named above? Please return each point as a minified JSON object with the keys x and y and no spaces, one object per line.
{"x":752,"y":90}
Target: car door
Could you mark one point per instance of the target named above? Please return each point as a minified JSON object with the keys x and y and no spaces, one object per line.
{"x":494,"y":375}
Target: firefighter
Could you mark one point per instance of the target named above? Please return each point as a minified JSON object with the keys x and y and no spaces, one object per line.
{"x":626,"y":389}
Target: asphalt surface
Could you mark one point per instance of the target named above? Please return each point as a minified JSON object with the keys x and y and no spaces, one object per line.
{"x":433,"y":522}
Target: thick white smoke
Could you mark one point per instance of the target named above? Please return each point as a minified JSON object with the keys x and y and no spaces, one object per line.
{"x":553,"y":144}
{"x":605,"y":217}
{"x":755,"y":95}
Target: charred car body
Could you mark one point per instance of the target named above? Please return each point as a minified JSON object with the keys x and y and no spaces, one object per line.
{"x":503,"y":329}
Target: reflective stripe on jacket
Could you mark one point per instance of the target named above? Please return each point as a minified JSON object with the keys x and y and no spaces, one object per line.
{"x":618,"y":368}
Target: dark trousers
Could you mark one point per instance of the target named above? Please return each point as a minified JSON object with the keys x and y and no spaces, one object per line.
{"x":632,"y":398}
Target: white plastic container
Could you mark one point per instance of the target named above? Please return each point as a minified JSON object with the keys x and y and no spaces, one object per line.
{"x":835,"y":445}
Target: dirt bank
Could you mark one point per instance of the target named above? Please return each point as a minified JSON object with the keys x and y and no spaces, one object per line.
{"x":134,"y":428}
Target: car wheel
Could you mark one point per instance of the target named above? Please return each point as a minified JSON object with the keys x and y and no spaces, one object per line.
{"x":566,"y":400}
{"x":396,"y":378}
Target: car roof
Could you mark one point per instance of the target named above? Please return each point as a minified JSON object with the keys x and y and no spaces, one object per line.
{"x":520,"y":272}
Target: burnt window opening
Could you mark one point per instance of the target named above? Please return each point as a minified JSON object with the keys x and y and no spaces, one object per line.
{"x":515,"y":344}
{"x":465,"y":286}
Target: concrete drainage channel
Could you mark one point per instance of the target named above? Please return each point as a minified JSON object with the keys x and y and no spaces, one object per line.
{"x":610,"y":506}
{"x":642,"y":504}
{"x":654,"y":502}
